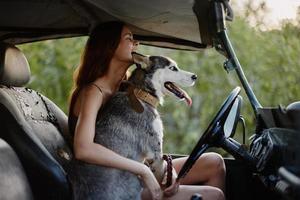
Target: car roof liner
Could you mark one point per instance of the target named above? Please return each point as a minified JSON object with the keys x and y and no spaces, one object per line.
{"x":168,"y":23}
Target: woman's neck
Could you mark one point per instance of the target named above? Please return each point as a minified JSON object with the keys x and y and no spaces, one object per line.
{"x":115,"y":74}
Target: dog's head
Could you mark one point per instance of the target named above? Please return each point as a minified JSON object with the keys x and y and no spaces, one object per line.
{"x":161,"y":76}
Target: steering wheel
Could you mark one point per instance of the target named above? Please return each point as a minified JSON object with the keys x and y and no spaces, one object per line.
{"x":214,"y":126}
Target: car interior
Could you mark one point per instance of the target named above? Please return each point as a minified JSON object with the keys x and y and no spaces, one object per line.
{"x":35,"y":146}
{"x":35,"y":131}
{"x":33,"y":128}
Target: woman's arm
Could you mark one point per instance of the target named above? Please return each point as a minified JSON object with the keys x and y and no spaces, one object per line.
{"x":85,"y":148}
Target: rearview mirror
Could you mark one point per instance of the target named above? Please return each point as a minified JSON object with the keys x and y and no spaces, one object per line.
{"x":232,"y":118}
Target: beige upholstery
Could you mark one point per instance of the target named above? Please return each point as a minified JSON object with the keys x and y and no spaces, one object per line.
{"x":13,"y":181}
{"x":15,"y":70}
{"x":35,"y":128}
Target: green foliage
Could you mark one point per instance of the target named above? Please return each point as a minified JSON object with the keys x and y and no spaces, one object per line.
{"x":270,"y":60}
{"x":52,"y":64}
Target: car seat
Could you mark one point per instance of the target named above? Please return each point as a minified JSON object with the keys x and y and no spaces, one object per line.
{"x":34,"y":127}
{"x":13,"y":181}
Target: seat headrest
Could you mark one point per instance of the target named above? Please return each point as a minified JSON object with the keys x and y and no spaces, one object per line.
{"x":14,"y":67}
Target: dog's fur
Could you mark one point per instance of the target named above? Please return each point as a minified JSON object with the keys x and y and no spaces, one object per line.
{"x":137,"y":136}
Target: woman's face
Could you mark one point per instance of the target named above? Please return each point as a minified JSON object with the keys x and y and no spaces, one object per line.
{"x":126,"y":46}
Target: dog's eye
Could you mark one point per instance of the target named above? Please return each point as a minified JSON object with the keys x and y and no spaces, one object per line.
{"x":173,"y":68}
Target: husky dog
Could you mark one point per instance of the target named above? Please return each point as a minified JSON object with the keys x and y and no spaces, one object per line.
{"x":130,"y":125}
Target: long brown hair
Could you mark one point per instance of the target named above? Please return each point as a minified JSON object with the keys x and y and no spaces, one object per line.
{"x":99,"y":50}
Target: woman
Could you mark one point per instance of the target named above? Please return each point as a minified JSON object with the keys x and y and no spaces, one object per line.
{"x":105,"y":61}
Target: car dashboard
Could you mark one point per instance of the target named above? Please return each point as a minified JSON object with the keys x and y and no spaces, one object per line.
{"x":276,"y":150}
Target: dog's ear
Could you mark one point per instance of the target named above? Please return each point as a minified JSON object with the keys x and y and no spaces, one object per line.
{"x":141,"y":60}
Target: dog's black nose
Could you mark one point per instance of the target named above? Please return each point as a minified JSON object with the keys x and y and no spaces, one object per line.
{"x":194,"y":77}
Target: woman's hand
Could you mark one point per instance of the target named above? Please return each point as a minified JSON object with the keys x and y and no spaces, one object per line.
{"x":173,"y":188}
{"x":151,"y":183}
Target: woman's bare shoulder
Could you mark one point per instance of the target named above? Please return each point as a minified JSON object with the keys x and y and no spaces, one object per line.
{"x":89,"y":95}
{"x":92,"y":92}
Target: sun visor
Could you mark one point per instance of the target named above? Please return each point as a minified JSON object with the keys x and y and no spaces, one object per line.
{"x":152,"y":21}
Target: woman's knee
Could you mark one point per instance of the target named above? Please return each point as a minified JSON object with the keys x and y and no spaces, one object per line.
{"x":211,"y":193}
{"x":218,"y":194}
{"x":215,"y":162}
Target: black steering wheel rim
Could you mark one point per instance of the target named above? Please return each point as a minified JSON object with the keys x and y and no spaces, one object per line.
{"x":202,"y":144}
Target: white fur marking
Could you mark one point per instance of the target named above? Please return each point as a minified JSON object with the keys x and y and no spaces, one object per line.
{"x":158,"y":126}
